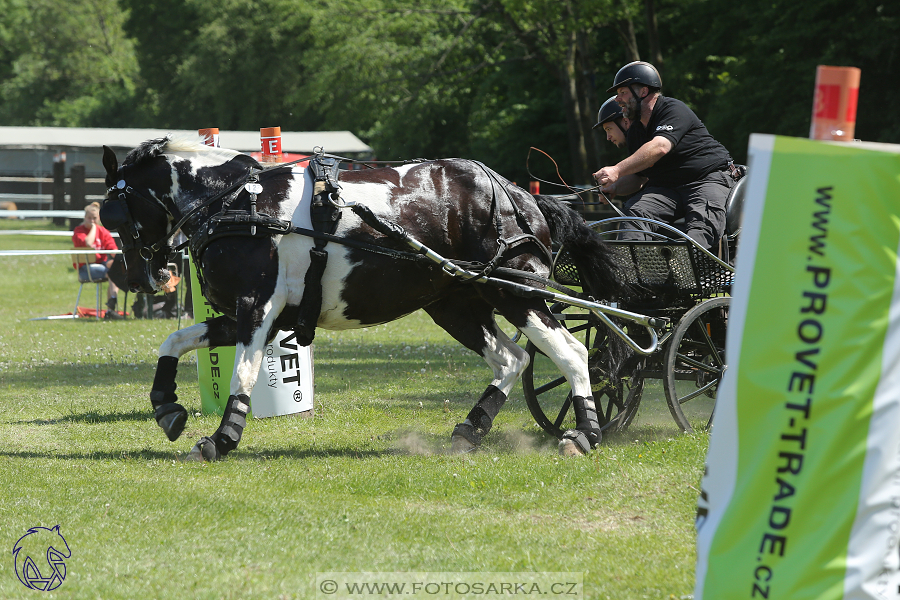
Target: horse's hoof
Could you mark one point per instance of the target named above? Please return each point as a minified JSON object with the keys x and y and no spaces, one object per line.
{"x":204,"y":451}
{"x":171,"y":418}
{"x":464,"y":439}
{"x":576,"y":443}
{"x":568,"y":448}
{"x":460,"y":445}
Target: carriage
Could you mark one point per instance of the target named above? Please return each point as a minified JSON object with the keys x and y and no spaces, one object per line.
{"x":686,"y":291}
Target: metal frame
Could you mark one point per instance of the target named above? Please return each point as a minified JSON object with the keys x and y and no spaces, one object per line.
{"x":87,"y":254}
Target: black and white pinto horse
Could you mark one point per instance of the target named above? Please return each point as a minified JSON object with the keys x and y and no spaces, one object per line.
{"x":458,"y":208}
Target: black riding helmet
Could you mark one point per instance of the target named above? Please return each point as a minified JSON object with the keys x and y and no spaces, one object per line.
{"x":639,"y":72}
{"x":610,"y":111}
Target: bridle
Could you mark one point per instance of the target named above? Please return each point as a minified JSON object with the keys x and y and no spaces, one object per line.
{"x":115,"y":214}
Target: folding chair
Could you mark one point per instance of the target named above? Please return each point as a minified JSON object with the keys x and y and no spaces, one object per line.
{"x":87,"y":256}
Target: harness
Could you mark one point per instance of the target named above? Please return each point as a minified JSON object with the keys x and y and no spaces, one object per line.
{"x":325,"y":213}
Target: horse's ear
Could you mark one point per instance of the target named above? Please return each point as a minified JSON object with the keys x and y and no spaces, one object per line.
{"x":111,"y":164}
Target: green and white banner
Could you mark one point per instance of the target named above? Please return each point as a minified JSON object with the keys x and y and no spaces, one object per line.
{"x":801,"y":497}
{"x":285,"y":382}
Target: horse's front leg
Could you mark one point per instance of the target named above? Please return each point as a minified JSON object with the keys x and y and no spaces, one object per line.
{"x":253,"y":329}
{"x":170,"y":415}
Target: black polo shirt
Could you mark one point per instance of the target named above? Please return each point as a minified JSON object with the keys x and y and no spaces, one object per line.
{"x":694,"y":154}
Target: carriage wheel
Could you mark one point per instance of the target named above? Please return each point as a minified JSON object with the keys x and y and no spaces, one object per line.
{"x":695,"y":363}
{"x":549,"y":397}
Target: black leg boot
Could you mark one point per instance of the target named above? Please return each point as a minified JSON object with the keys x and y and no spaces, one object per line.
{"x":170,"y":415}
{"x":467,"y":436}
{"x":228,"y":435}
{"x":587,"y":434}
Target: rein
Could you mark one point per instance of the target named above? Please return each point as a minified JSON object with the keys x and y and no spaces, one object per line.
{"x":574,"y":192}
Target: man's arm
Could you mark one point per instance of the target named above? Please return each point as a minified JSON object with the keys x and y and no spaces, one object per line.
{"x":625,"y":185}
{"x":645,"y":157}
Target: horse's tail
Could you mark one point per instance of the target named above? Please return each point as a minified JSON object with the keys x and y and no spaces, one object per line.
{"x":594,"y":258}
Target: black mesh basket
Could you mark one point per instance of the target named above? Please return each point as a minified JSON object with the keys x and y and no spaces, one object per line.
{"x":657,"y":267}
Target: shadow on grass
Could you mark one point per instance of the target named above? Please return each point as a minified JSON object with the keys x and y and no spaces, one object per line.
{"x":106,"y":374}
{"x":90,"y":417}
{"x":147,"y":454}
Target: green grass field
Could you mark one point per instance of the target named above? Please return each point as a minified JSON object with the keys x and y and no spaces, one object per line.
{"x":365,"y":485}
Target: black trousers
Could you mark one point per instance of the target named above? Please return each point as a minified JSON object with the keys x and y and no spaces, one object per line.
{"x":701,"y":203}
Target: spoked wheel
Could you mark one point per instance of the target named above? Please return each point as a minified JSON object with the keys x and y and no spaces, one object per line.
{"x":549,"y":396}
{"x":695,"y":363}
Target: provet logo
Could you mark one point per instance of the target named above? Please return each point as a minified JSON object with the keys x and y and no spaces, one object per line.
{"x":40,"y":558}
{"x":664,"y":128}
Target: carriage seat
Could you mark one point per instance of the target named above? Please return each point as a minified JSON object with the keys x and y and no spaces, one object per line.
{"x":734,"y":211}
{"x":734,"y":208}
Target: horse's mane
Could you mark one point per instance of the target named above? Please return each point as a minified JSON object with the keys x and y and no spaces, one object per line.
{"x":171,"y":144}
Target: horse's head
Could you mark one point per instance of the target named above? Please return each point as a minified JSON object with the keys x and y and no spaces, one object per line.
{"x":136,"y":208}
{"x":156,"y":184}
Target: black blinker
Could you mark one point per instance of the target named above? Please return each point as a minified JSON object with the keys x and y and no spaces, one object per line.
{"x":113,"y":214}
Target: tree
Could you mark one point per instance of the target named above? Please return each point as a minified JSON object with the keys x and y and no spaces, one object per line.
{"x":563,"y":36}
{"x":433,"y":79}
{"x":232,"y":65}
{"x":754,"y":70}
{"x":65,"y":66}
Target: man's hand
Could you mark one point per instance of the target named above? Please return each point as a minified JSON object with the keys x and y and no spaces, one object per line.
{"x":607,"y":176}
{"x":609,"y":190}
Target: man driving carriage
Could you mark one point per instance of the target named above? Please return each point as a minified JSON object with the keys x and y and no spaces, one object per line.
{"x":676,"y":168}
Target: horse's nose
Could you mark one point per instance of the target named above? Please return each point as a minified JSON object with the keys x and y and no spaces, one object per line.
{"x":138,"y":286}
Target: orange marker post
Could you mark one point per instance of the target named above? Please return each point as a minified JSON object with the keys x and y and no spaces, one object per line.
{"x":270,"y":139}
{"x":534,"y":187}
{"x":210,"y":136}
{"x":834,"y":105}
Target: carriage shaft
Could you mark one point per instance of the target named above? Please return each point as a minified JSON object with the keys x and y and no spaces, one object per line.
{"x":599,"y":310}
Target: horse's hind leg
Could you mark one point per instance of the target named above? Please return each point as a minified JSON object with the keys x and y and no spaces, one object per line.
{"x":170,"y":415}
{"x":471,"y":322}
{"x":536,"y":322}
{"x":571,"y":357}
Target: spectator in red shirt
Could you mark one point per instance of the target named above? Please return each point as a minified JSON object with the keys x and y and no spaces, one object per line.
{"x":91,"y":234}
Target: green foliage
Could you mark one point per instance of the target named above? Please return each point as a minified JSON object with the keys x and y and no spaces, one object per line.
{"x":753,"y":70}
{"x":65,"y":65}
{"x":511,"y":112}
{"x":232,"y":65}
{"x":397,"y":75}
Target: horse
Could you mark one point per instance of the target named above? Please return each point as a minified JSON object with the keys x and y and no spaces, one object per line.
{"x":261,"y":265}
